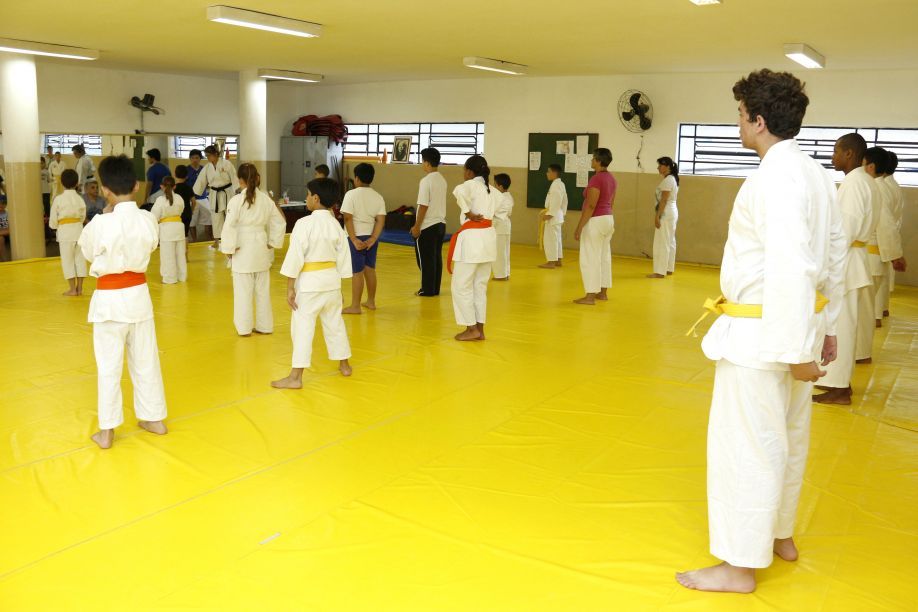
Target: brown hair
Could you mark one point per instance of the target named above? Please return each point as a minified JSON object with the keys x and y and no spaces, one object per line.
{"x":168,"y":180}
{"x":249,"y":174}
{"x":778,"y":97}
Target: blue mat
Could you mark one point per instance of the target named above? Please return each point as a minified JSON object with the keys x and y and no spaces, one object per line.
{"x":402,"y":237}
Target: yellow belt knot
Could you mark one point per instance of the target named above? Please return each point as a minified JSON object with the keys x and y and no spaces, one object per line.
{"x":742,"y":311}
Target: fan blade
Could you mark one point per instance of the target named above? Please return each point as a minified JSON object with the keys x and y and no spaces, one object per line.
{"x":645,"y":122}
{"x":635,"y":102}
{"x":628,"y":116}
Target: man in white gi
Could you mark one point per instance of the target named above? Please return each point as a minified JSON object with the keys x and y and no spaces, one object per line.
{"x":783,"y":258}
{"x":856,"y":195}
{"x":119,"y":245}
{"x":552,"y":218}
{"x":219,"y":178}
{"x":897,"y":204}
{"x":84,"y":166}
{"x":889,"y":242}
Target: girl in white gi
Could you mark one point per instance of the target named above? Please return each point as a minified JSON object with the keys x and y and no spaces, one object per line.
{"x":472,"y":249}
{"x":551,"y":219}
{"x":317,"y":259}
{"x":889,"y":242}
{"x":664,"y":237}
{"x":168,"y":212}
{"x":595,"y":230}
{"x":56,"y":168}
{"x":218,"y":178}
{"x":898,"y":201}
{"x":119,"y":245}
{"x":253,"y":227}
{"x":785,"y":245}
{"x":68,"y":211}
{"x":501,"y":266}
{"x":84,"y":167}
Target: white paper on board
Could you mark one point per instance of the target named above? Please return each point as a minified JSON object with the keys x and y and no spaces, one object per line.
{"x":583,"y":145}
{"x":535,"y":160}
{"x":564,"y":147}
{"x":570,"y":163}
{"x":583,"y":178}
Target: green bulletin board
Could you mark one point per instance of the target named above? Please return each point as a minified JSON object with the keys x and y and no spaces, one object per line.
{"x":546,"y":147}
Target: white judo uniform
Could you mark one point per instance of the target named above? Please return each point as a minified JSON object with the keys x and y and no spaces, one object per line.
{"x":866,"y":323}
{"x":55,"y":169}
{"x":250,"y":232}
{"x":664,"y":237}
{"x":898,"y":204}
{"x":552,"y":234}
{"x":474,"y":253}
{"x":889,"y":245}
{"x":115,"y":243}
{"x":854,"y":202}
{"x":68,"y":211}
{"x":502,"y":228}
{"x":785,"y":243}
{"x":85,"y":170}
{"x":220,"y":179}
{"x":172,"y":264}
{"x":318,"y":258}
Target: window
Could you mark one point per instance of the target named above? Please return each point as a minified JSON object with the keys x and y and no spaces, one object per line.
{"x":183,"y":145}
{"x":64,"y":142}
{"x":716,"y":150}
{"x":455,"y":141}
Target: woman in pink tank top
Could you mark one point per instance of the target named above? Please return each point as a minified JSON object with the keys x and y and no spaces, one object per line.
{"x":594,"y":232}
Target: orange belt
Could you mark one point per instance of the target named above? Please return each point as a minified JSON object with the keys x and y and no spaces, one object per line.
{"x":483,"y":224}
{"x":121,"y":281}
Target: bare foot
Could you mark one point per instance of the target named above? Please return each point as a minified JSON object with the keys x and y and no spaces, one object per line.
{"x":602,"y":295}
{"x":722,"y":578}
{"x":288,"y":382}
{"x":885,"y":313}
{"x":345,"y":368}
{"x":586,"y":301}
{"x":879,"y":323}
{"x":154,"y":427}
{"x":655,"y":276}
{"x":352,"y":310}
{"x":669,"y":274}
{"x":261,"y":333}
{"x":369,"y":305}
{"x":865,"y":360}
{"x":471,"y":333}
{"x":786,"y":549}
{"x":559,"y":264}
{"x":104,"y":438}
{"x":71,"y":293}
{"x":480,"y":328}
{"x":551,"y":265}
{"x":245,"y":335}
{"x":506,"y":278}
{"x":841,"y":397}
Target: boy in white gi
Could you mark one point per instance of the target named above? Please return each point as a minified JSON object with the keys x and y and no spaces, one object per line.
{"x":56,"y":169}
{"x":783,"y":258}
{"x":552,"y":218}
{"x":898,"y":204}
{"x":68,"y":211}
{"x":317,"y":259}
{"x":119,"y":245}
{"x":364,"y":213}
{"x":501,"y":266}
{"x":218,"y":179}
{"x":168,"y":210}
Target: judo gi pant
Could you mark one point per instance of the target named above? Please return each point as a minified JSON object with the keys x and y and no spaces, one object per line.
{"x":891,"y":283}
{"x":839,"y":372}
{"x":470,"y":292}
{"x":201,"y":217}
{"x":217,"y":220}
{"x":109,"y":339}
{"x":501,"y":265}
{"x":758,"y":438}
{"x":551,"y":241}
{"x":72,"y":262}
{"x":596,"y":253}
{"x":664,"y":244}
{"x":172,"y":264}
{"x":249,"y":287}
{"x":326,"y":306}
{"x":428,"y":250}
{"x":881,"y":301}
{"x":866,"y":323}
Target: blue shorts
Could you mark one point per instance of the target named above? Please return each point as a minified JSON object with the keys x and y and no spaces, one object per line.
{"x":362,"y":259}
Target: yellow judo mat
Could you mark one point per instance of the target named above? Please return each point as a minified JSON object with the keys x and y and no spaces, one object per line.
{"x":560,"y":465}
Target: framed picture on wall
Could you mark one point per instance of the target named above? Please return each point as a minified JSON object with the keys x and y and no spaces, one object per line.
{"x":401,"y":150}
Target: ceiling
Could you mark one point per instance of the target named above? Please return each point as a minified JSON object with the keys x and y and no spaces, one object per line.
{"x":366,"y":41}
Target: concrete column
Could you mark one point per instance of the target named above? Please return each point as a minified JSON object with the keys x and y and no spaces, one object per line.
{"x":253,"y":115}
{"x":21,"y":154}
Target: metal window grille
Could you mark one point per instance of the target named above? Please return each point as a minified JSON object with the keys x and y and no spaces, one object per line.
{"x":183,"y":145}
{"x":455,"y":141}
{"x":64,"y":142}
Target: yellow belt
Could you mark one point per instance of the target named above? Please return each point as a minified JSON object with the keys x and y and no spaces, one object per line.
{"x":68,"y":220}
{"x":171,"y":220}
{"x":314,"y":266}
{"x":873,"y":249}
{"x":742,"y":311}
{"x":857,"y":244}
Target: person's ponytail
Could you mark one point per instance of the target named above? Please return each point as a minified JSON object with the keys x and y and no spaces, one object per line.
{"x":478,"y":166}
{"x":249,"y":174}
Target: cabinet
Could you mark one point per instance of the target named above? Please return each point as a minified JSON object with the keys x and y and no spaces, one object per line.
{"x":299,"y":157}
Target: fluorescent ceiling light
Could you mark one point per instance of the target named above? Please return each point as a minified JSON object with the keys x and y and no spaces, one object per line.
{"x":483,"y":63}
{"x":37,"y":48}
{"x":263,"y":21}
{"x":805,"y":55}
{"x":286,"y":75}
{"x":704,"y":2}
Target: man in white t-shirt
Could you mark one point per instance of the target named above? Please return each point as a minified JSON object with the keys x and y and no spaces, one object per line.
{"x":364,"y":213}
{"x":430,"y":225}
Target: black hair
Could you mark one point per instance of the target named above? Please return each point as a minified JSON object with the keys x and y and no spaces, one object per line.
{"x":168,"y":194}
{"x":893,"y":161}
{"x":324,"y":170}
{"x":556,"y":168}
{"x":673,"y":167}
{"x":365,"y":172}
{"x":603,"y":156}
{"x":181,"y":171}
{"x":78,"y":149}
{"x":195,"y":152}
{"x":155,"y":154}
{"x":69,"y":178}
{"x":249,"y":173}
{"x":431,"y":156}
{"x":117,"y":174}
{"x":502,"y":180}
{"x":326,"y":189}
{"x":211,"y":150}
{"x":879,"y":158}
{"x":855,"y":143}
{"x":478,"y":166}
{"x":778,"y":97}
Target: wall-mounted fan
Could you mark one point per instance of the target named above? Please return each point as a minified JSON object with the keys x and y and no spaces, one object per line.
{"x":145,"y":105}
{"x":635,"y":111}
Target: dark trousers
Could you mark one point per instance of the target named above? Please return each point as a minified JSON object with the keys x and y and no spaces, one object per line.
{"x":429,"y":252}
